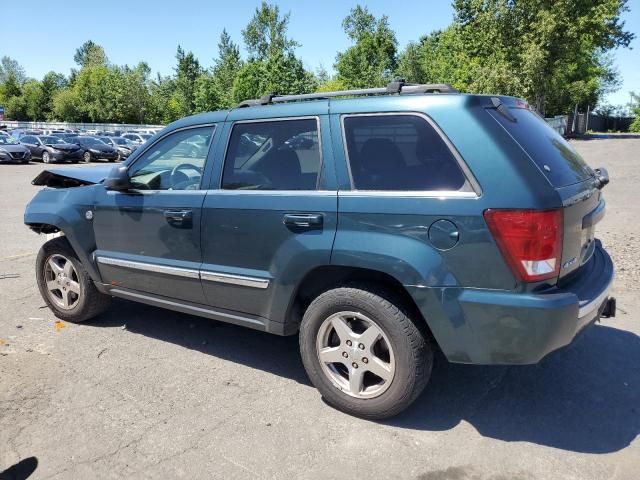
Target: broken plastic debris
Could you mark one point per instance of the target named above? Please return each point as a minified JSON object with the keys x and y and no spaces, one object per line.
{"x":59,"y":325}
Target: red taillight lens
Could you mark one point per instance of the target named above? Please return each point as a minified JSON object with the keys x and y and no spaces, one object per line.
{"x":530,"y":240}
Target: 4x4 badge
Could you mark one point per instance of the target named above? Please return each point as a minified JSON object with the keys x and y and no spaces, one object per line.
{"x":568,"y":263}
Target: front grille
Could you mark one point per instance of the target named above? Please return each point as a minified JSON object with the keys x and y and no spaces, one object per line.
{"x":17,"y":155}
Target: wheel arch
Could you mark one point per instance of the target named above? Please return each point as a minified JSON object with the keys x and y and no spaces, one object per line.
{"x":323,"y":278}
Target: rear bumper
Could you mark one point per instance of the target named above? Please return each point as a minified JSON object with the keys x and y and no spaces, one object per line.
{"x":499,"y":327}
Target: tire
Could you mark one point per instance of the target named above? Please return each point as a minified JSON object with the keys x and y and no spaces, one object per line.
{"x":86,"y":157}
{"x":46,"y":158}
{"x":410,"y":355}
{"x":82,"y":306}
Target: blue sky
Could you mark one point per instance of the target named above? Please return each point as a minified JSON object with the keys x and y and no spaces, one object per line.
{"x":48,"y":32}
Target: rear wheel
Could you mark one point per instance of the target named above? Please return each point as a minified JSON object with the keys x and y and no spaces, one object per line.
{"x":46,"y":158}
{"x":86,"y":157}
{"x":65,"y":285}
{"x":363,"y":353}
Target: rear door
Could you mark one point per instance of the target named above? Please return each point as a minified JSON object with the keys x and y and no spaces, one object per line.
{"x":568,"y":173}
{"x":271,"y":215}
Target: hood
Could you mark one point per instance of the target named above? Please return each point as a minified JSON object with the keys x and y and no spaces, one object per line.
{"x":63,"y":146}
{"x":14,"y":148}
{"x":72,"y":177}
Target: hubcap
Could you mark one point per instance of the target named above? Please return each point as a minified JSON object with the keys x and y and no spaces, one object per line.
{"x":63,"y":285}
{"x":355,"y":354}
{"x":45,"y":157}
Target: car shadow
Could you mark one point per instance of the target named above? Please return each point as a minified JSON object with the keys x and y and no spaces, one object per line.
{"x":583,"y":398}
{"x":21,"y":470}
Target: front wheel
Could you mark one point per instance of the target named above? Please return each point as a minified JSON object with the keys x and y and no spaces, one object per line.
{"x":65,"y":285}
{"x":46,"y":158}
{"x":86,"y":157}
{"x":363,"y":353}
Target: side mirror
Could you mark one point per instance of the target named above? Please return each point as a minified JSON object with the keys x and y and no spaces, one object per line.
{"x":118,"y":179}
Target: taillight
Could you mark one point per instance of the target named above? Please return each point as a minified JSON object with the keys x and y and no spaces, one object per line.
{"x":530,"y":240}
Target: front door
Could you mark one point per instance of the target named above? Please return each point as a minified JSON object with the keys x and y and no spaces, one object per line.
{"x":148,"y":239}
{"x":272,"y":216}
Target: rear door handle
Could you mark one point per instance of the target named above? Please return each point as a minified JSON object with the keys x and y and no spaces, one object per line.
{"x":305,"y":220}
{"x":179,"y":218}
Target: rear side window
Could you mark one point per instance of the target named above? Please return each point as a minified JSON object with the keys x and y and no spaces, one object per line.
{"x":399,"y":152}
{"x":275,"y":155}
{"x":551,"y":153}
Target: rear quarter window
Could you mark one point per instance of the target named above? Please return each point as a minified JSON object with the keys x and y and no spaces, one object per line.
{"x":555,"y":157}
{"x":392,"y":152}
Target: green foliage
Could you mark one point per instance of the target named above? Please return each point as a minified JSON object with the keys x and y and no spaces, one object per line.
{"x":266,"y":33}
{"x":66,"y":106}
{"x":554,"y":54}
{"x":634,"y":106}
{"x":10,"y":67}
{"x":273,"y":66}
{"x":90,"y":53}
{"x":372,"y":60}
{"x":551,"y":53}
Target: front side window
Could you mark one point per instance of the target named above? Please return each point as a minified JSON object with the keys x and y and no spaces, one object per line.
{"x":400,"y":153}
{"x":273,"y":155}
{"x":174,"y":163}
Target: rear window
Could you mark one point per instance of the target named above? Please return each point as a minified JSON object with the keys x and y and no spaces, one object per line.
{"x":551,"y":153}
{"x":399,"y":153}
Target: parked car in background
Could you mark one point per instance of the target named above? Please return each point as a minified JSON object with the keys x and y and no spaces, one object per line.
{"x":138,"y":138}
{"x":12,"y":151}
{"x":95,"y":149}
{"x":20,"y":132}
{"x":124,"y":146}
{"x":52,"y":149}
{"x":65,"y":136}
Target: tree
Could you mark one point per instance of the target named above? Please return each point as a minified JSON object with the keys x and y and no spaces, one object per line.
{"x":51,"y":84}
{"x":187,"y":72}
{"x":65,"y":106}
{"x":214,"y":90}
{"x":554,"y":49}
{"x":634,"y":106}
{"x":10,"y":67}
{"x":266,"y":33}
{"x":273,"y":66}
{"x":90,"y":53}
{"x":33,"y":98}
{"x":372,"y":61}
{"x":92,"y":90}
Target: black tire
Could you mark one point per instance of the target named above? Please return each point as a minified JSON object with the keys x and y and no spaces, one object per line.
{"x":86,"y":157}
{"x":90,"y":302}
{"x":412,"y":351}
{"x":46,"y":157}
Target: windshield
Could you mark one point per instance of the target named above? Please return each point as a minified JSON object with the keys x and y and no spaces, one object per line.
{"x":549,"y":151}
{"x":4,"y":140}
{"x":51,"y":140}
{"x":146,"y":136}
{"x":121,"y":141}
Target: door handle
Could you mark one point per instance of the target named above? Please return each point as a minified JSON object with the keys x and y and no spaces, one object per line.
{"x":305,"y":220}
{"x":179,"y":218}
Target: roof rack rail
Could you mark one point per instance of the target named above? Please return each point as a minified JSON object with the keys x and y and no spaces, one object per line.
{"x":395,"y":87}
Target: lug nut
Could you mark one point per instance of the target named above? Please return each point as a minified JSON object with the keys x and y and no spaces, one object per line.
{"x":361,"y":346}
{"x":365,"y":360}
{"x":349,"y":342}
{"x":354,"y":365}
{"x":345,"y":354}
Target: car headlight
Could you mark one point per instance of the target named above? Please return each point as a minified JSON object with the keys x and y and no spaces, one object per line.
{"x":3,"y":151}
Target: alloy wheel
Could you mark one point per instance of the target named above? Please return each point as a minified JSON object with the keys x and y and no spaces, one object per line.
{"x":355,"y":354}
{"x":62,"y":282}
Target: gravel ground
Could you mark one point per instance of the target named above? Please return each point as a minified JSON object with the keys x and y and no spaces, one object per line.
{"x":146,"y":393}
